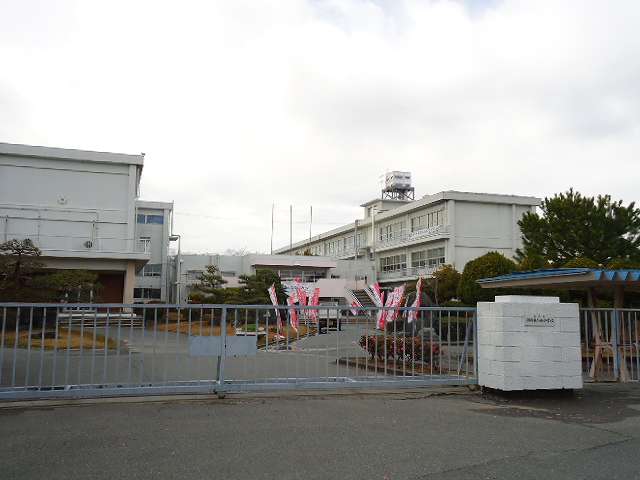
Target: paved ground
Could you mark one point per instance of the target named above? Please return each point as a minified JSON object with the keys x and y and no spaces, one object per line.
{"x":164,"y":357}
{"x":595,"y":434}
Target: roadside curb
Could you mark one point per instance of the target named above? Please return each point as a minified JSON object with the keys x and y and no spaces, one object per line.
{"x":235,"y":397}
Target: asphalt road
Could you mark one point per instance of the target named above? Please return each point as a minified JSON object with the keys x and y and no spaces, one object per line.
{"x":595,"y":434}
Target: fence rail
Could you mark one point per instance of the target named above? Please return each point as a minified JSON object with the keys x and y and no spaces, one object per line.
{"x":53,"y":350}
{"x":610,"y":344}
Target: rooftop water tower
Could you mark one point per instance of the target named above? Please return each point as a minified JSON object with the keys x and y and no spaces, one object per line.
{"x":397,"y":186}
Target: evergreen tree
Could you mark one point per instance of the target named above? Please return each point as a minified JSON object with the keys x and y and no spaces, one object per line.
{"x":573,"y":226}
{"x":210,"y":288}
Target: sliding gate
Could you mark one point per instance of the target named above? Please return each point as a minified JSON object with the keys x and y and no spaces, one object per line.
{"x":83,"y":350}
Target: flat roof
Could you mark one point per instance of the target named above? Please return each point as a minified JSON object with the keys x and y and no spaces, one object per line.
{"x":389,"y":200}
{"x":566,"y":278}
{"x":153,"y":204}
{"x":309,"y":261}
{"x":34,"y":151}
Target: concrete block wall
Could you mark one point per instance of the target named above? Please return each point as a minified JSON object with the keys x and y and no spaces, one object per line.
{"x":529,"y":343}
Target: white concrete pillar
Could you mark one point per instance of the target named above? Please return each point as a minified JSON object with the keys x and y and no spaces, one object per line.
{"x":129,"y":282}
{"x":529,"y":343}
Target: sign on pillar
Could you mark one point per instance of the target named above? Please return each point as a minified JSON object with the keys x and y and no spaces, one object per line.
{"x":529,"y":343}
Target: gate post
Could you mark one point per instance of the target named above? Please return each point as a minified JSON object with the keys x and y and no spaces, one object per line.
{"x":475,"y":344}
{"x":223,"y":346}
{"x":615,"y":331}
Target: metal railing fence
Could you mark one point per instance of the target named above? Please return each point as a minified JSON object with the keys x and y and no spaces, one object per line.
{"x":610,"y":344}
{"x":70,"y":350}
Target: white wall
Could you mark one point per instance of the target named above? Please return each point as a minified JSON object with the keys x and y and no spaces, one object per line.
{"x":62,"y":204}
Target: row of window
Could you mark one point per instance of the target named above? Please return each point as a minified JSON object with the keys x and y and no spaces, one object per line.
{"x":396,"y":230}
{"x":303,"y":275}
{"x":432,"y":257}
{"x":393,"y":263}
{"x":196,"y":274}
{"x":337,"y":246}
{"x":391,"y":231}
{"x":147,"y":293}
{"x":428,"y":258}
{"x":427,"y":220}
{"x":151,"y":219}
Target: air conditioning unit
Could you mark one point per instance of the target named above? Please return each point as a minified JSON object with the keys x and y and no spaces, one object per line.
{"x":88,"y":244}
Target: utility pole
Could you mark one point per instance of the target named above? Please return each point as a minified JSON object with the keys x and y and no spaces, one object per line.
{"x":290,"y":227}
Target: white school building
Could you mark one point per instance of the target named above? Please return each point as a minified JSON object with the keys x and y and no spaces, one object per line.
{"x":410,"y":238}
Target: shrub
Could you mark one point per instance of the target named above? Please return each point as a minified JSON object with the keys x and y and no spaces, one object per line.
{"x":399,"y":348}
{"x":491,"y":264}
{"x":622,"y":264}
{"x":443,"y":285}
{"x":581,"y":262}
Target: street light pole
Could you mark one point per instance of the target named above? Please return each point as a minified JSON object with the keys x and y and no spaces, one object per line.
{"x":373,"y":243}
{"x":173,"y":238}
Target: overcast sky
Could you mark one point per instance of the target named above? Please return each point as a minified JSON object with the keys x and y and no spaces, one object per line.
{"x":238,"y":104}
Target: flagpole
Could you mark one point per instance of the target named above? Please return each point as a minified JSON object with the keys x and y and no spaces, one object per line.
{"x":272,"y":208}
{"x":310,"y":223}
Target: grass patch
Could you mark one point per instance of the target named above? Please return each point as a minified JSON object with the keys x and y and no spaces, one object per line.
{"x":66,"y":339}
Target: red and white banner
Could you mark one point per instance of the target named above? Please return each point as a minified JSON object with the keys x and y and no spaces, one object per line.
{"x":354,"y":304}
{"x":413,"y":314}
{"x":315,"y":301}
{"x":302,"y":293}
{"x":382,"y":318}
{"x":274,"y":300}
{"x":378,"y":296}
{"x":398,"y":293}
{"x":293,"y":314}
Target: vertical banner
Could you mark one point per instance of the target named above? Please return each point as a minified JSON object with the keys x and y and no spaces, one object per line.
{"x":354,"y":304}
{"x":274,"y":300}
{"x":315,"y":301}
{"x":382,"y":318}
{"x":398,"y":294}
{"x":293,"y":314}
{"x":378,"y":299}
{"x":413,"y":314}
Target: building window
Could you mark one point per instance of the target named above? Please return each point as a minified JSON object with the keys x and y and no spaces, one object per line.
{"x":391,"y":231}
{"x":145,"y":244}
{"x":427,"y":220}
{"x":147,"y":293}
{"x":393,"y":263}
{"x":419,"y":259}
{"x":435,"y":256}
{"x":194,"y":274}
{"x":303,"y":275}
{"x":151,"y":219}
{"x":228,"y":274}
{"x":151,"y":270}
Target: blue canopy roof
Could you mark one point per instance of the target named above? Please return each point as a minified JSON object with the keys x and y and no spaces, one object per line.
{"x":582,"y":274}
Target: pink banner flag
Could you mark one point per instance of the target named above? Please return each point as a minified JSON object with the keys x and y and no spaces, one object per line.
{"x":378,"y":297}
{"x":354,"y":304}
{"x":302,"y":294}
{"x":315,"y":301}
{"x":399,"y":293}
{"x":382,"y":318}
{"x":274,"y":300}
{"x":293,"y":314}
{"x":417,"y":303}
